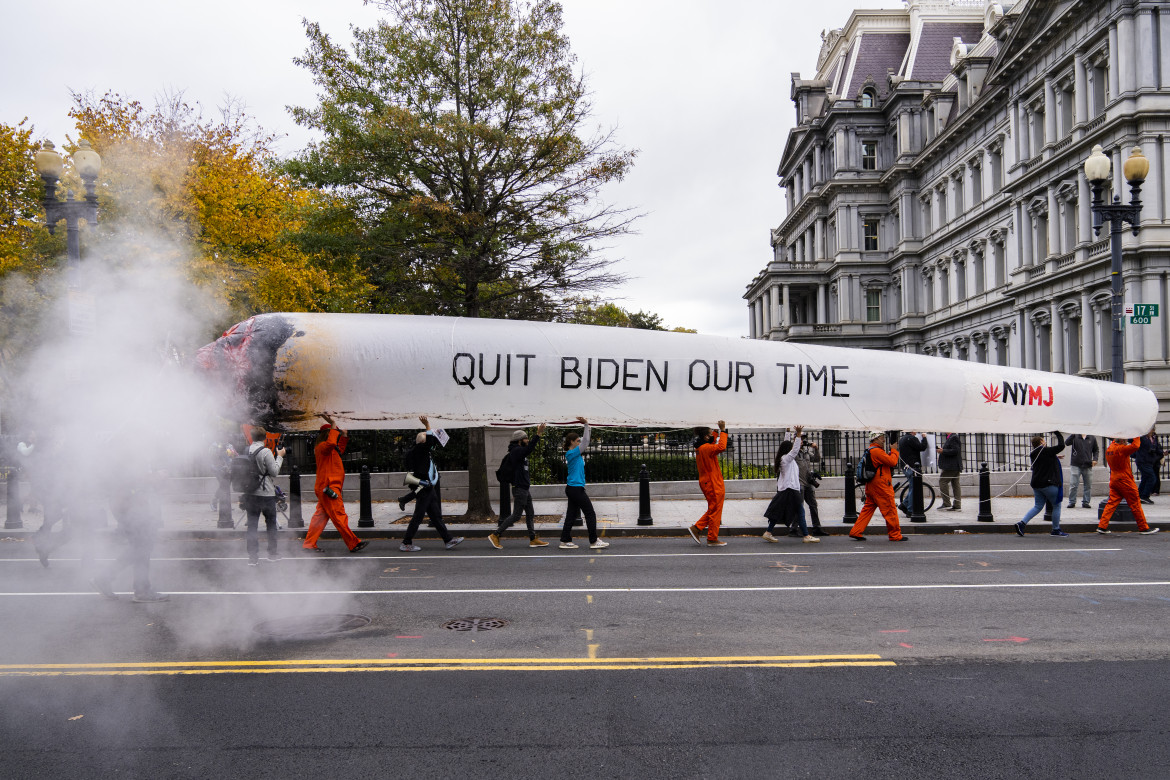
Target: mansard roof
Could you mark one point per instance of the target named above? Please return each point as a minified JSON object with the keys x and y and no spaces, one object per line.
{"x":874,"y":55}
{"x":932,"y":55}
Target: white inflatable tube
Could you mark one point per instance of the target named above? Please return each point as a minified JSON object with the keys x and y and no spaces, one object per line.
{"x":383,"y":371}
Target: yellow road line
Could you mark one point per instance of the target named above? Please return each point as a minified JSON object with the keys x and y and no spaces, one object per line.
{"x":446,"y":661}
{"x":467,"y":668}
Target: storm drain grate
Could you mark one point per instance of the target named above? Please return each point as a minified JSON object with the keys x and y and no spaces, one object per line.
{"x":475,"y":624}
{"x":310,"y":626}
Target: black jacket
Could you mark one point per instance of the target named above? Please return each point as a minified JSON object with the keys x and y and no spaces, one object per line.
{"x":418,"y":458}
{"x":1084,"y":450}
{"x":518,"y":457}
{"x":1150,"y":452}
{"x":1046,"y":469}
{"x":951,"y":457}
{"x":910,"y":449}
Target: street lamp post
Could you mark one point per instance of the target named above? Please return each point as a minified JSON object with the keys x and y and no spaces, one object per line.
{"x":88,"y":164}
{"x":1098,"y":170}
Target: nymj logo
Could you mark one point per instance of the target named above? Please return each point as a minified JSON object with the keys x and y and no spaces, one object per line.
{"x":1018,"y":394}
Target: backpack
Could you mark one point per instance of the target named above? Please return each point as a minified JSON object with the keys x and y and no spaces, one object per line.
{"x":865,"y":469}
{"x":246,"y":476}
{"x":505,"y":471}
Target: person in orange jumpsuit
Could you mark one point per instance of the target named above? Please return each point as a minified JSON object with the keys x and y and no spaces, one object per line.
{"x":331,"y":442}
{"x":707,"y":449}
{"x":1122,"y":485}
{"x":879,"y":491}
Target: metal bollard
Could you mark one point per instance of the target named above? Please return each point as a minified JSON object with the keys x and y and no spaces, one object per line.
{"x":366,"y":505}
{"x":644,"y":517}
{"x":917,"y":513}
{"x":14,"y":505}
{"x":505,"y":500}
{"x":985,"y":495}
{"x":850,"y":494}
{"x":295,"y":518}
{"x":224,"y":498}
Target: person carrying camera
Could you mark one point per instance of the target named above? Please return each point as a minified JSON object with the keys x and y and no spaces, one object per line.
{"x":331,"y":443}
{"x":808,"y":460}
{"x":262,"y":500}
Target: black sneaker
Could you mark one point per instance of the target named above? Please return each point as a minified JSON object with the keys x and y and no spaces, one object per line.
{"x":1086,"y":506}
{"x":1020,"y":528}
{"x":1072,"y":506}
{"x":359,"y":546}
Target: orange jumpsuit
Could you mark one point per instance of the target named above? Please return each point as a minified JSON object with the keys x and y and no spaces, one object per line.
{"x":1122,"y":484}
{"x":330,"y":473}
{"x":879,"y":494}
{"x":711,"y":483}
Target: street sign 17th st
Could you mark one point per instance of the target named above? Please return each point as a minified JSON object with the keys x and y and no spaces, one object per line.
{"x":1142,"y":313}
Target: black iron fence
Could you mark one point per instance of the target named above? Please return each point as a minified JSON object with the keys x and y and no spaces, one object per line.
{"x":617,"y":454}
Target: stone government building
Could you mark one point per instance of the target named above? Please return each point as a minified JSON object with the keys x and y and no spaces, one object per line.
{"x":937,"y":202}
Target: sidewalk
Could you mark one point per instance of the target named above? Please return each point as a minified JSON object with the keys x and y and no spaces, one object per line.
{"x":619,"y":517}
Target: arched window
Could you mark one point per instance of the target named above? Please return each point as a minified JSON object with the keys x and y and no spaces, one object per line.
{"x":868,"y":98}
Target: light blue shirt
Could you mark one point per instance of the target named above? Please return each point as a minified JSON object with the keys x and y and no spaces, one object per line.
{"x":576,"y":461}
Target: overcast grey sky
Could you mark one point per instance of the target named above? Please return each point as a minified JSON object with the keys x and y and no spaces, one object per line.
{"x":700,"y":87}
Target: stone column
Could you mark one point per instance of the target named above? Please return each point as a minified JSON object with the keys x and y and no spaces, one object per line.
{"x":1114,"y":64}
{"x":1029,"y":340}
{"x":819,"y":162}
{"x":1085,"y":214}
{"x":1054,"y":246}
{"x":1058,"y":338}
{"x":1126,"y":54}
{"x":1147,"y":50}
{"x":822,"y":305}
{"x":785,"y":308}
{"x":1050,"y":111}
{"x":1081,"y":87}
{"x":1012,"y":151}
{"x":1164,"y":38}
{"x":1088,"y":335}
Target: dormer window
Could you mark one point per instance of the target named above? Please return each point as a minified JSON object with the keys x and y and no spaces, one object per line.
{"x":868,"y":98}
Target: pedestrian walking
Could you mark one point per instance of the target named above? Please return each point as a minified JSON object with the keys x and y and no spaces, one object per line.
{"x":328,"y":486}
{"x":579,"y":503}
{"x":708,"y":445}
{"x":137,"y":508}
{"x":1123,"y":486}
{"x":518,"y":451}
{"x":262,"y":500}
{"x":1085,"y":454}
{"x":786,"y":504}
{"x":425,"y":477}
{"x":950,"y":466}
{"x":879,"y":491}
{"x":1148,"y":458}
{"x":1047,"y":482}
{"x":910,"y":448}
{"x":808,"y":460}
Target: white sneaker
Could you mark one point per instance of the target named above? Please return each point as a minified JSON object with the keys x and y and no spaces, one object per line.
{"x":810,"y":540}
{"x":769,"y":538}
{"x":568,"y":546}
{"x":1150,"y":530}
{"x":600,"y":544}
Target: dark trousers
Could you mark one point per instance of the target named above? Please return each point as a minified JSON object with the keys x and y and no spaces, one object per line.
{"x":579,"y":504}
{"x":1149,"y":475}
{"x":810,"y":498}
{"x":521,"y":505}
{"x":256,"y":506}
{"x":427,"y":502}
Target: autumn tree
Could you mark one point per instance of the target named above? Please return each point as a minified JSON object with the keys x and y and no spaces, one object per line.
{"x":210,"y":186}
{"x":456,"y":136}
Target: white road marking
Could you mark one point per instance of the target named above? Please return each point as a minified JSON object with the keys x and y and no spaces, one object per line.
{"x":521,"y":557}
{"x":718,"y":589}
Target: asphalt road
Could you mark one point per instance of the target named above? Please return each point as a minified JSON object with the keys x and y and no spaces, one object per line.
{"x":949,"y":656}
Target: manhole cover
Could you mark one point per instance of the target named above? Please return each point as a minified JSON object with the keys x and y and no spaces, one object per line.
{"x":475,"y":624}
{"x":310,"y":626}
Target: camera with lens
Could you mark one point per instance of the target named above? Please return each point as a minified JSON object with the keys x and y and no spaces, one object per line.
{"x":814,"y":479}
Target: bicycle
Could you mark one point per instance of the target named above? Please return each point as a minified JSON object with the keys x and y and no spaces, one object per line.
{"x":902,"y":491}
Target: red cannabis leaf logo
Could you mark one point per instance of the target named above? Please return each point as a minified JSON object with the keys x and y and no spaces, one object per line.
{"x":991,"y":394}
